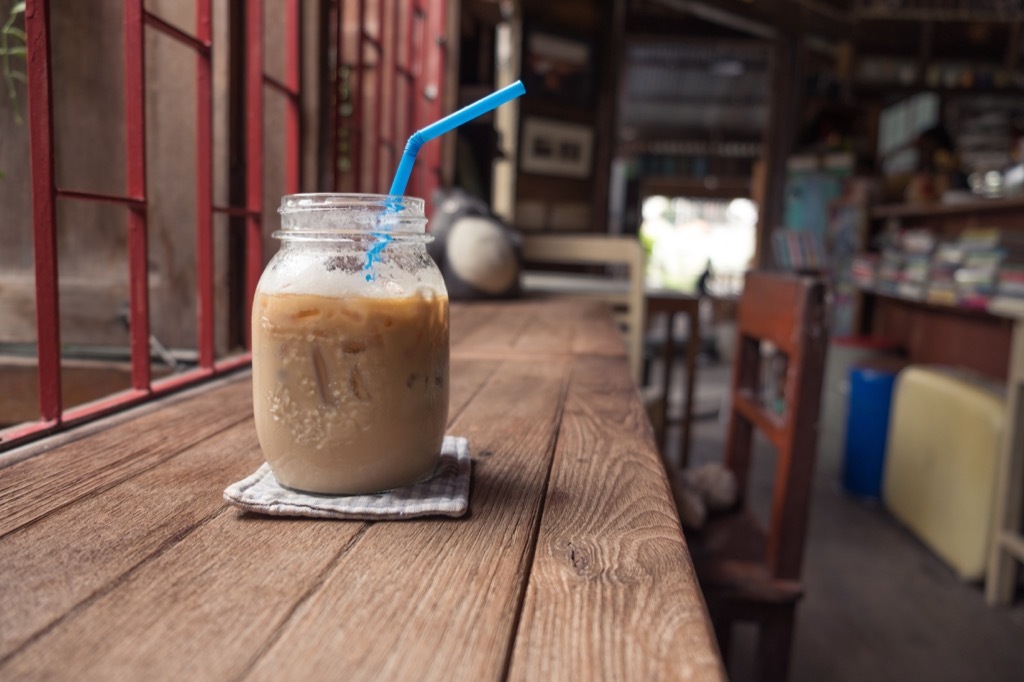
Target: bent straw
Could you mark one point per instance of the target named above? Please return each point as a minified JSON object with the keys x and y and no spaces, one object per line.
{"x":449,"y":122}
{"x":422,"y":136}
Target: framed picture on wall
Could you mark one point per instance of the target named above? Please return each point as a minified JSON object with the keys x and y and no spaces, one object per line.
{"x":552,"y":147}
{"x":558,"y":67}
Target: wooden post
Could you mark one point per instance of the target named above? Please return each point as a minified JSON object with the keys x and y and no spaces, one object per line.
{"x":780,"y":131}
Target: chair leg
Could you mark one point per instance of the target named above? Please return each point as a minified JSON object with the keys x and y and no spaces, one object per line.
{"x":774,"y":645}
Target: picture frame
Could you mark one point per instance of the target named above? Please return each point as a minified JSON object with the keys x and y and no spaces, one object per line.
{"x":558,"y":148}
{"x":558,"y":67}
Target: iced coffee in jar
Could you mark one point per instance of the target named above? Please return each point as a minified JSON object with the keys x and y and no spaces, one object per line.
{"x":350,"y":346}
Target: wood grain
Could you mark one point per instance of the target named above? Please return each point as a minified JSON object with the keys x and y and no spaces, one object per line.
{"x":611,"y":594}
{"x":73,"y":553}
{"x":488,"y":326}
{"x":933,"y":335}
{"x":432,"y":600}
{"x":555,"y":328}
{"x":202,"y":609}
{"x":125,"y":560}
{"x":119,"y":559}
{"x":30,"y":489}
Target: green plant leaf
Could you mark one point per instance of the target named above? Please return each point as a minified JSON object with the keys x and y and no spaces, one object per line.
{"x":18,"y":8}
{"x":13,"y":52}
{"x":17,"y":33}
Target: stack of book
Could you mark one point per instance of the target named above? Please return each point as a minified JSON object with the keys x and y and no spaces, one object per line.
{"x":862,"y":270}
{"x":942,"y":274}
{"x":986,"y":254}
{"x":907,"y":263}
{"x":888,"y":270}
{"x":1011,"y":281}
{"x":982,"y":264}
{"x":799,"y":250}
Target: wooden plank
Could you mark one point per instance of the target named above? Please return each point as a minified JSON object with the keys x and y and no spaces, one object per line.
{"x":200,"y":610}
{"x":464,"y":318}
{"x":77,"y":551}
{"x":595,"y":333}
{"x":33,"y":488}
{"x":446,"y":606}
{"x":157,"y":557}
{"x":932,"y":335}
{"x":553,"y":327}
{"x":772,"y":425}
{"x":612,"y":592}
{"x":495,"y":330}
{"x":775,"y":312}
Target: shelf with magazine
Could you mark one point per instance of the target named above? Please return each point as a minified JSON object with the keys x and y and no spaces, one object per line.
{"x":944,"y":281}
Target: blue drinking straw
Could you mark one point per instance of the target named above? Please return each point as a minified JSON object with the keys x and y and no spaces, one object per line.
{"x":449,"y":122}
{"x":422,"y":136}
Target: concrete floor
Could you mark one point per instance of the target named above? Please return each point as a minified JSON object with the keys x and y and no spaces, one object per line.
{"x":879,"y":605}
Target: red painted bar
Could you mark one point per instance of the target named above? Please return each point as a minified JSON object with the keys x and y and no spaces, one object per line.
{"x":392,"y":114}
{"x":339,"y":62}
{"x":45,"y":194}
{"x":378,"y":117}
{"x":234,"y":211}
{"x":44,"y":209}
{"x":254,"y":156}
{"x":412,"y":20}
{"x":432,"y":82}
{"x":101,"y":198}
{"x":279,"y":86}
{"x":419,"y":99}
{"x":358,"y":113}
{"x":198,"y":42}
{"x":204,"y":189}
{"x":293,"y":113}
{"x":26,"y":432}
{"x":135,"y":174}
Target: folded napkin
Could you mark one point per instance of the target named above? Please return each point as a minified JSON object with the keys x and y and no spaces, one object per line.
{"x":445,"y":493}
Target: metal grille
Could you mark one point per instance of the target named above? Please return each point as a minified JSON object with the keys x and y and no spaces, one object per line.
{"x":387,"y":74}
{"x":46,"y":194}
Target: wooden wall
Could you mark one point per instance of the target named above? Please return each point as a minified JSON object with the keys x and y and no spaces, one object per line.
{"x":555,"y":203}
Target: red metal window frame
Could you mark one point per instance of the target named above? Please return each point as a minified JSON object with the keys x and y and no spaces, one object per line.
{"x":373,"y":149}
{"x":45,"y":194}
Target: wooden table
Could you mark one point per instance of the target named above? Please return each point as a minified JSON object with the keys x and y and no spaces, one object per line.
{"x":120,"y":560}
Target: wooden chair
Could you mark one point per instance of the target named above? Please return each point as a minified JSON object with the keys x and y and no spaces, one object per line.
{"x":748,"y":572}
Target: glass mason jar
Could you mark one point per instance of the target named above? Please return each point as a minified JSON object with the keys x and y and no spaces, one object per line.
{"x":350,"y":346}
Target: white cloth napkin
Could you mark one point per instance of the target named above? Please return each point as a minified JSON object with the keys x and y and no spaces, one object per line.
{"x":446,"y":493}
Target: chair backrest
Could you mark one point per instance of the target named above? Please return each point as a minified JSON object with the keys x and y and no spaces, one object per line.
{"x":622,"y":287}
{"x":788,"y":312}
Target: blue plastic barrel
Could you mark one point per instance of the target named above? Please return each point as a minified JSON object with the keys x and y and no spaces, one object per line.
{"x":867,"y":428}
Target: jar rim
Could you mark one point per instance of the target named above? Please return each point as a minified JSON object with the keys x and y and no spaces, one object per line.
{"x":408,"y":207}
